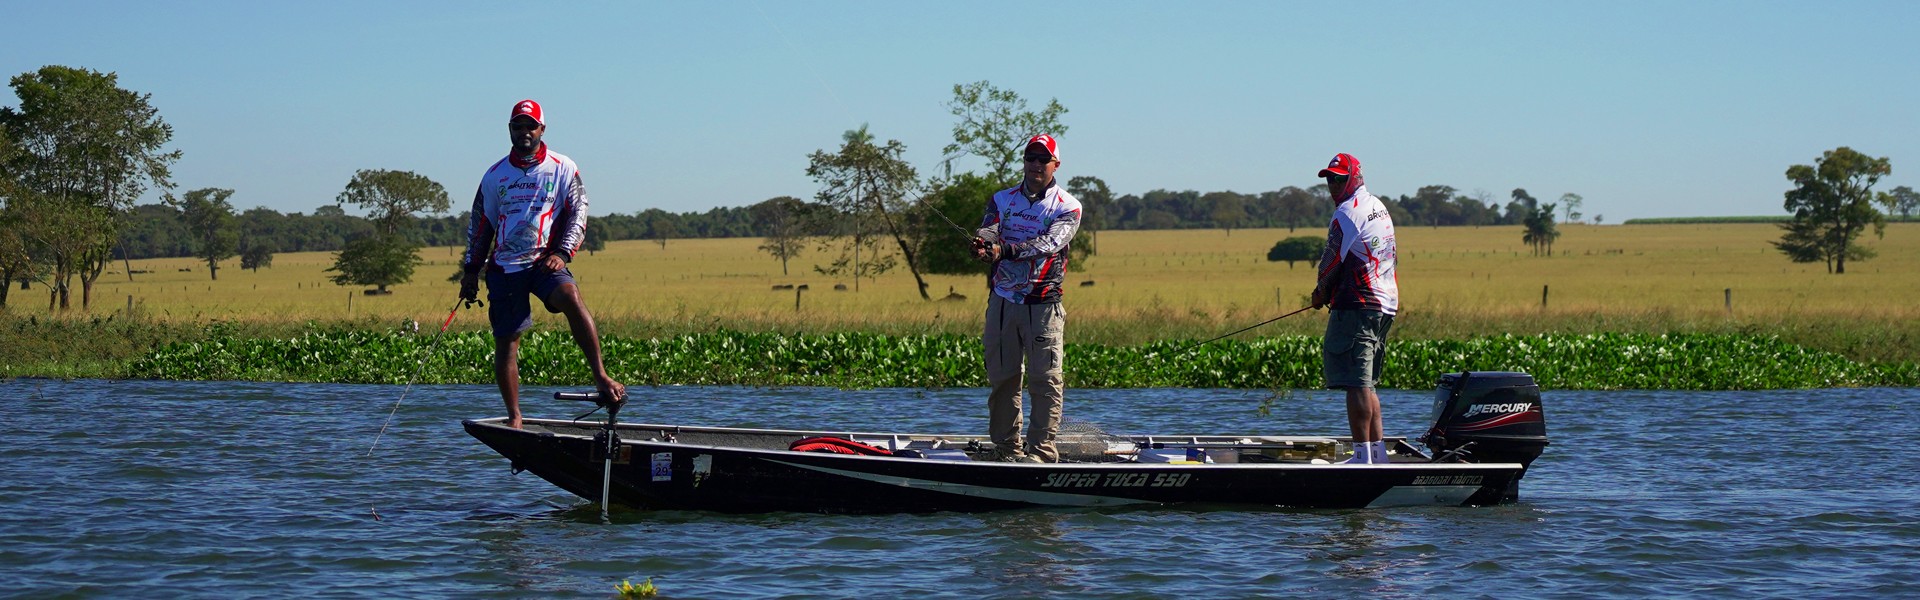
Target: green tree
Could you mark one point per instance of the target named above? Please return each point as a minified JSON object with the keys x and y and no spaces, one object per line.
{"x":376,"y":261}
{"x":1832,"y":204}
{"x":1541,"y":231}
{"x":258,"y":254}
{"x":1520,"y":208}
{"x":1297,"y":248}
{"x":210,"y":220}
{"x":1901,"y":200}
{"x":993,"y":124}
{"x":388,"y":254}
{"x":1096,"y":199}
{"x":16,"y":257}
{"x":593,"y":239}
{"x":1571,"y":202}
{"x":660,"y":226}
{"x":963,"y":200}
{"x":784,"y":219}
{"x":1227,"y":209}
{"x":86,"y":150}
{"x":391,"y":198}
{"x":867,"y":183}
{"x":1301,"y":207}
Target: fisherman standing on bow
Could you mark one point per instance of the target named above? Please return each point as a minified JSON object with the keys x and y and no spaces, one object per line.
{"x":1025,"y":236}
{"x":529,"y":218}
{"x":1358,"y":280}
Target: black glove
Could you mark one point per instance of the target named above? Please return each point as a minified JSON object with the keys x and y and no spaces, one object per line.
{"x":470,"y":286}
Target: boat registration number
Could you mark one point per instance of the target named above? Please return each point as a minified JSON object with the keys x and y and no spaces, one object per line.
{"x":1087,"y":480}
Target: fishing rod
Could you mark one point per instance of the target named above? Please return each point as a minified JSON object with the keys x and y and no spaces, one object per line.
{"x":421,"y":366}
{"x":1190,"y":348}
{"x":956,"y":226}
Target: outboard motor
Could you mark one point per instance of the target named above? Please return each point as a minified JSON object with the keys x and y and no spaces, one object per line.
{"x":1487,"y":417}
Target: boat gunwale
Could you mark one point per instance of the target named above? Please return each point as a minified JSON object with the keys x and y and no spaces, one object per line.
{"x":499,"y":423}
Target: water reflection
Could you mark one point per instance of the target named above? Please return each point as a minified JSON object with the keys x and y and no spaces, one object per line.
{"x":1361,"y":546}
{"x":1030,"y":550}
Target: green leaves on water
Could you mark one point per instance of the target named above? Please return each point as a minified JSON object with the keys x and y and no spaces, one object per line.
{"x":856,"y":360}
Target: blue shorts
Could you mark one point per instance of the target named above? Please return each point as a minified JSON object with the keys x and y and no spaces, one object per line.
{"x":508,"y":306}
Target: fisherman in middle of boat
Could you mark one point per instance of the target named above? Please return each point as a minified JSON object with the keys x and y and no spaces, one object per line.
{"x":1359,"y":282}
{"x":1025,"y":237}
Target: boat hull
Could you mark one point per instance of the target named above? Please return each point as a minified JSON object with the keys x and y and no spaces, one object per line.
{"x":654,"y":469}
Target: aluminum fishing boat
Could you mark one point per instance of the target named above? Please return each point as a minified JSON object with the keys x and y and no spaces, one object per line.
{"x":1488,"y":428}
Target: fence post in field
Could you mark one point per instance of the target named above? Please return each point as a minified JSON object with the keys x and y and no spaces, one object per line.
{"x":1543,"y":296}
{"x":129,"y":304}
{"x":1729,"y":292}
{"x":796,"y":297}
{"x":349,"y":302}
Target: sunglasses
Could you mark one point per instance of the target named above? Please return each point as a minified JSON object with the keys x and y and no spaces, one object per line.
{"x":1038,"y":158}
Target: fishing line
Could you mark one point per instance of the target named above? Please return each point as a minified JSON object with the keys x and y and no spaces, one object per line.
{"x":421,"y":366}
{"x":1190,"y":348}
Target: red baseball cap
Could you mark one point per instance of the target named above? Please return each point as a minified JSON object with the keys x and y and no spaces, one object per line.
{"x":1046,"y":140}
{"x":1343,"y":164}
{"x":528,"y":108}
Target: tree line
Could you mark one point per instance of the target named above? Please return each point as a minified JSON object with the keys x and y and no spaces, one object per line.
{"x":79,"y":151}
{"x":162,"y":230}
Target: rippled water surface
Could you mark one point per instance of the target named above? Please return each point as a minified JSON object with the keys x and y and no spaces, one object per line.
{"x":162,"y":489}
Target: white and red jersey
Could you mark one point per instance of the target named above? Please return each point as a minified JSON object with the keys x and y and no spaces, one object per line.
{"x":525,"y":211}
{"x":1037,"y":233}
{"x":1360,"y":246}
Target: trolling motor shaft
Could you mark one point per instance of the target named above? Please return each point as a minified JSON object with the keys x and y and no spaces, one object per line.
{"x":608,"y":440}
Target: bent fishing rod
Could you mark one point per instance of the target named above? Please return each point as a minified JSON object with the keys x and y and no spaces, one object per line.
{"x":1217,"y":338}
{"x":421,"y":366}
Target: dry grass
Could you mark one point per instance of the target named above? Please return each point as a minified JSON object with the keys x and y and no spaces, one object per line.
{"x":1148,"y":285}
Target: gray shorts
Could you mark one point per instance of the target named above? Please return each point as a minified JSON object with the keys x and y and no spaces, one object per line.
{"x":1355,"y":347}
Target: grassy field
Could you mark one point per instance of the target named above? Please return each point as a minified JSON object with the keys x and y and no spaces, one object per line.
{"x":1456,"y":282}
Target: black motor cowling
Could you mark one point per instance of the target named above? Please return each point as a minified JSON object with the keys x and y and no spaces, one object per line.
{"x":1488,"y":417}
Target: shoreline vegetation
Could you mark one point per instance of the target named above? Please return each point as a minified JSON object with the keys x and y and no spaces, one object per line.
{"x":1736,"y":315}
{"x":1564,"y":351}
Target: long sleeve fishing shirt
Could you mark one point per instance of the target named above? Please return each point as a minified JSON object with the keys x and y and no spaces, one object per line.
{"x":526,"y":210}
{"x":1035,"y":233}
{"x":1360,"y":255}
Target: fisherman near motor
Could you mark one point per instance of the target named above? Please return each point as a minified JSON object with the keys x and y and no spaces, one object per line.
{"x":1479,"y":448}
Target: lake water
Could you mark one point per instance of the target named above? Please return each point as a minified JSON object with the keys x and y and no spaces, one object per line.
{"x":167,"y":489}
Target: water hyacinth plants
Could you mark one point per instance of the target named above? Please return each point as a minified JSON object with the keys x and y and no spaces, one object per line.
{"x":865,"y":360}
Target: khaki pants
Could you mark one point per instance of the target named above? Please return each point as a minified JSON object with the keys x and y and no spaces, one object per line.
{"x":1024,"y":338}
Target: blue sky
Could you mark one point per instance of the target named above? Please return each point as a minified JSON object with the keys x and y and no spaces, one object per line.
{"x":1648,"y":109}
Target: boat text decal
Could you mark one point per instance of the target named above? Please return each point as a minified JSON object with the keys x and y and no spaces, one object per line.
{"x":1085,"y":480}
{"x":1448,"y":480}
{"x":976,"y":491}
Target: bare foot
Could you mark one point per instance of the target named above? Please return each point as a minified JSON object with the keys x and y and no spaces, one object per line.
{"x":513,"y":422}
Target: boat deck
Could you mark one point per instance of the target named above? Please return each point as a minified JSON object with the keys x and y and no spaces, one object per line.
{"x":1076,"y":444}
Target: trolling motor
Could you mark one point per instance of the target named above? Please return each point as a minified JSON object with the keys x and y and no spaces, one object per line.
{"x":608,"y":439}
{"x":1487,"y":417}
